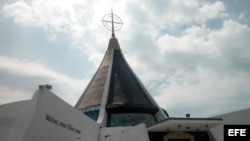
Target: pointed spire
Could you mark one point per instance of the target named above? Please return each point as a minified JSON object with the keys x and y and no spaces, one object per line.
{"x":113,"y":44}
{"x":112,"y":17}
{"x":109,"y":20}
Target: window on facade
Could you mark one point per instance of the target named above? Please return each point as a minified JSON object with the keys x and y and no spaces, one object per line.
{"x":130,"y":119}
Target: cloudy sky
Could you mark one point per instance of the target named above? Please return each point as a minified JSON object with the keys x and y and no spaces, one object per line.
{"x":193,"y":56}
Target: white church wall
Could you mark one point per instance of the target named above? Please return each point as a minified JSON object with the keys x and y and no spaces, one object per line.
{"x":135,"y":133}
{"x":110,"y":131}
{"x":47,"y":117}
{"x":23,"y":120}
{"x":241,"y":117}
{"x":9,"y":114}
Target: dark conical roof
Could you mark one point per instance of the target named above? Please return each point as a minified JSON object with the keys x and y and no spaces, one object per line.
{"x":115,"y":88}
{"x":125,"y":90}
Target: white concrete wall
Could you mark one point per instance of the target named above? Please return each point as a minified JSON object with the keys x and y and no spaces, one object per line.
{"x":135,"y":133}
{"x":49,"y":118}
{"x":241,"y":117}
{"x":9,"y":114}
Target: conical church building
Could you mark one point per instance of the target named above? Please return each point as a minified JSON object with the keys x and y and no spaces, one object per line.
{"x":115,"y":96}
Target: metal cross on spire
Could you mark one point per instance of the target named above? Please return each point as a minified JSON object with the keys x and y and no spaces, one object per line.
{"x":112,"y":22}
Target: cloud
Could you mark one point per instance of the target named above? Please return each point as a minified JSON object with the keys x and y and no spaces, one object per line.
{"x":193,"y":40}
{"x":72,"y":18}
{"x":64,"y":84}
{"x":192,"y":55}
{"x":232,"y":41}
{"x":172,"y":14}
{"x":9,"y":95}
{"x":208,"y":68}
{"x":203,"y":93}
{"x":44,"y":14}
{"x":58,"y":17}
